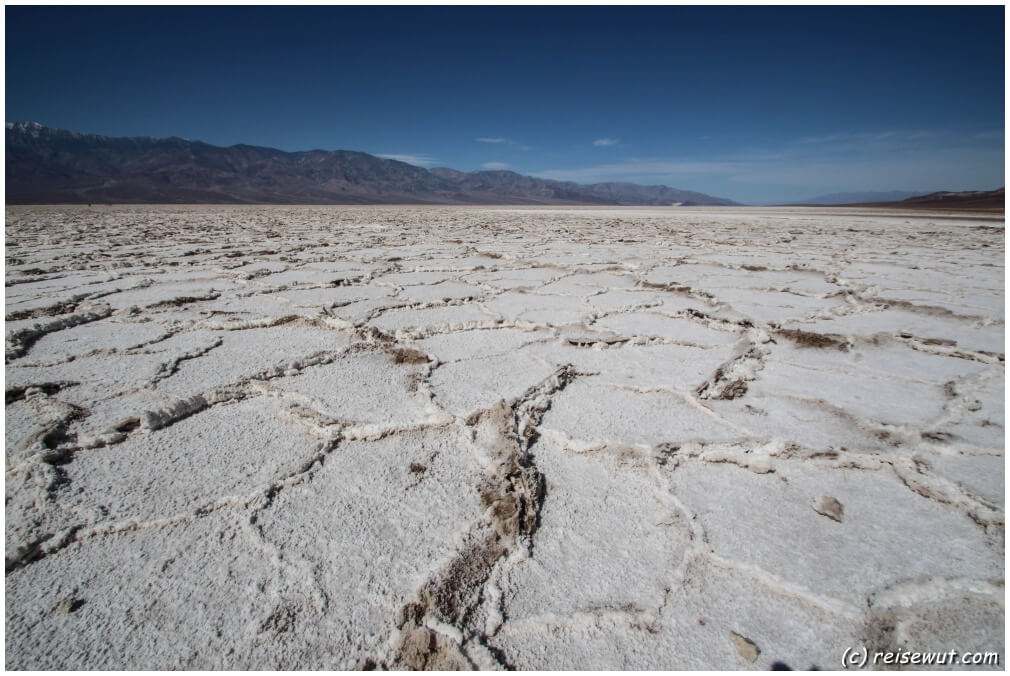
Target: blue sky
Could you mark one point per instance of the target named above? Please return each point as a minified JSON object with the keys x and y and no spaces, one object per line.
{"x":755,"y":104}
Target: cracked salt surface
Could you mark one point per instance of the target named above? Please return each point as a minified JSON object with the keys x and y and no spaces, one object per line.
{"x":418,"y":437}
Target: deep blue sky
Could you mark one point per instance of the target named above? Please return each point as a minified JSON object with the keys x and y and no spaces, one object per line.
{"x":756,"y":104}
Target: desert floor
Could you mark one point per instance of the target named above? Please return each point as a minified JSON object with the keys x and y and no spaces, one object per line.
{"x":342,"y":437}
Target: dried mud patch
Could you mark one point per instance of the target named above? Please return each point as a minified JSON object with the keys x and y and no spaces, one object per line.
{"x":814,"y":340}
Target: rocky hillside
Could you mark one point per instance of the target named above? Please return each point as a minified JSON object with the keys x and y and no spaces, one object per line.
{"x":46,"y":165}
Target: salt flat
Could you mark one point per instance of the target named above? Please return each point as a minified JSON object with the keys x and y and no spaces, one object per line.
{"x":432,"y":437}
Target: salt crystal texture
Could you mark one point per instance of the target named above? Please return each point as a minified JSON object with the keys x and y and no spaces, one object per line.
{"x":534,"y":438}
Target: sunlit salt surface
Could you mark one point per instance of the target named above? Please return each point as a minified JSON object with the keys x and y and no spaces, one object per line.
{"x":408,"y":437}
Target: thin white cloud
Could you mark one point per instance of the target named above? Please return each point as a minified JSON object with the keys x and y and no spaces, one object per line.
{"x":416,"y":160}
{"x":843,"y":137}
{"x":497,"y":166}
{"x":916,"y":169}
{"x":606,"y":142}
{"x":501,"y":140}
{"x":642,"y":169}
{"x":866,"y":137}
{"x":910,"y":167}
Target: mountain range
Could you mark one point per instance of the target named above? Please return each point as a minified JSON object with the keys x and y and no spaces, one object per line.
{"x":972,"y":200}
{"x":56,"y":166}
{"x":859,"y":197}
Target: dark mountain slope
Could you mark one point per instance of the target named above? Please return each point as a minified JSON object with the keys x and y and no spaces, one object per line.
{"x":47,"y":165}
{"x":968,"y":200}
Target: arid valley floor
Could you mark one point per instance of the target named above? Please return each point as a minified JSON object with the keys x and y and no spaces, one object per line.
{"x":427,"y":437}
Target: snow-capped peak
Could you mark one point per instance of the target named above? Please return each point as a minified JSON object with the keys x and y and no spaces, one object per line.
{"x":30,"y":128}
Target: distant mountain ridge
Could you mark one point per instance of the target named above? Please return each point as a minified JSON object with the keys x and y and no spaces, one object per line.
{"x":987,"y":200}
{"x":965,"y":200}
{"x":55,"y":166}
{"x":860,"y":197}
